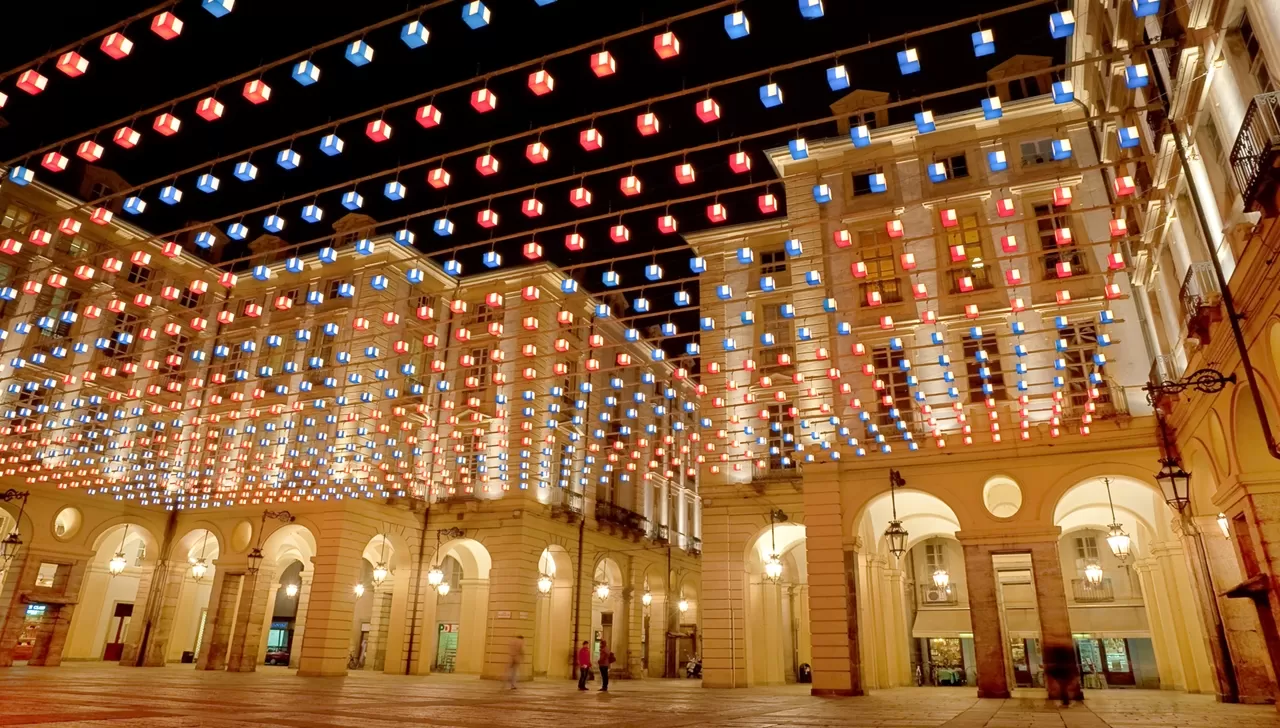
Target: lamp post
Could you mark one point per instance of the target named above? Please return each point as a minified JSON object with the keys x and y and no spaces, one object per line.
{"x":199,"y":566}
{"x":1175,"y":483}
{"x":12,"y":542}
{"x":773,"y":565}
{"x":1117,"y":539}
{"x":255,"y":556}
{"x":435,"y":575}
{"x":895,"y":534}
{"x":380,"y":571}
{"x":117,"y":563}
{"x":1093,"y":574}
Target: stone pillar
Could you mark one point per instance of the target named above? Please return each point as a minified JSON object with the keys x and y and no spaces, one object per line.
{"x":83,"y":631}
{"x":1056,"y":645}
{"x":268,"y":614}
{"x":141,"y":608}
{"x":1155,"y":602}
{"x":243,"y":653}
{"x":835,"y":653}
{"x":300,"y":617}
{"x":896,"y":627}
{"x":635,"y":610}
{"x":397,"y":623}
{"x":988,"y":643}
{"x":422,"y":639}
{"x":331,"y":608}
{"x":219,"y":619}
{"x":379,"y":624}
{"x":169,"y":593}
{"x":473,"y":628}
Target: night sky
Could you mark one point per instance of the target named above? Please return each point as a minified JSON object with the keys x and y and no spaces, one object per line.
{"x":261,"y":31}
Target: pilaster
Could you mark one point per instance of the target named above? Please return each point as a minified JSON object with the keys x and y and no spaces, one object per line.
{"x":300,"y":617}
{"x":243,"y":653}
{"x":1062,"y":670}
{"x":835,"y":660}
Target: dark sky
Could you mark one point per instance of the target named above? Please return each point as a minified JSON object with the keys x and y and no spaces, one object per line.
{"x":260,"y":31}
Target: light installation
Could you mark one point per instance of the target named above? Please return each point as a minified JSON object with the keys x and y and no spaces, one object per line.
{"x":1117,"y":539}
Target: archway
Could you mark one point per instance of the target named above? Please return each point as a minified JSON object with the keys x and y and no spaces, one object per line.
{"x":124,"y":555}
{"x":461,"y":607}
{"x":378,"y":634}
{"x":286,"y":578}
{"x":607,"y":585}
{"x":777,"y":605}
{"x":1131,"y":598}
{"x":553,"y":615}
{"x":198,"y":549}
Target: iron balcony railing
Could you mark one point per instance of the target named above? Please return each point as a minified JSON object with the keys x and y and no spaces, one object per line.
{"x":1164,"y":368}
{"x":933,"y":595}
{"x":1257,"y":147}
{"x":1200,"y":289}
{"x":658,"y":533}
{"x":617,"y":515}
{"x":1084,"y":591}
{"x":693,"y":545}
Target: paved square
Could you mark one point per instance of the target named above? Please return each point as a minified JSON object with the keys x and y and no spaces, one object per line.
{"x":97,"y":694}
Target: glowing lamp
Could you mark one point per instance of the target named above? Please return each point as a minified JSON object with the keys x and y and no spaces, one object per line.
{"x":476,"y":15}
{"x":541,"y":83}
{"x":997,"y":161}
{"x":101,"y":216}
{"x":126,"y":137}
{"x":352,"y":200}
{"x":1112,"y":291}
{"x":736,"y":25}
{"x":487,"y":218}
{"x":378,"y":130}
{"x":667,"y":224}
{"x":532,"y":251}
{"x":767,"y":203}
{"x":716,"y":213}
{"x":69,"y":226}
{"x":574,"y":242}
{"x":531,"y":207}
{"x":580,"y":197}
{"x":740,"y":162}
{"x":42,"y":238}
{"x":443,"y":227}
{"x":1009,"y":243}
{"x":666,"y":45}
{"x":685,"y":173}
{"x":647,"y":124}
{"x":603,"y":64}
{"x":72,"y":64}
{"x":487,"y":165}
{"x":1004,"y":207}
{"x":707,"y":110}
{"x":428,"y":116}
{"x":483,"y":100}
{"x":1062,"y":236}
{"x":90,"y":151}
{"x":1064,"y":92}
{"x":950,"y":218}
{"x":210,"y":109}
{"x":619,"y":234}
{"x":245,"y":172}
{"x":359,"y":53}
{"x":591,"y":139}
{"x":439,"y":178}
{"x":306,"y":73}
{"x":1124,"y":186}
{"x":1013,"y":276}
{"x":257,"y":92}
{"x":167,"y":124}
{"x":842,"y":238}
{"x":116,"y":45}
{"x":1061,"y":196}
{"x":630,"y":185}
{"x":54,"y":162}
{"x":1062,"y":25}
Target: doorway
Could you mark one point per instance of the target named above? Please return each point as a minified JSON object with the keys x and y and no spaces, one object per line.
{"x":117,"y":630}
{"x":945,"y":658}
{"x":1105,"y":662}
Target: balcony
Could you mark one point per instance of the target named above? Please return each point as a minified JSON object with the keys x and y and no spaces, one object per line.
{"x":693,"y":546}
{"x":931,"y":595}
{"x":1201,"y":302}
{"x":658,"y":534}
{"x":617,"y":518}
{"x":1084,"y":591}
{"x":566,"y":504}
{"x":1255,"y":158}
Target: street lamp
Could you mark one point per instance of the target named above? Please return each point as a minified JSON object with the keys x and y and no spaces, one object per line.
{"x":941,"y":578}
{"x":255,"y":556}
{"x":602,"y":590}
{"x":443,"y":589}
{"x":11,"y":543}
{"x":199,"y":566}
{"x":1093,"y":574}
{"x":683,"y":604}
{"x":291,"y":590}
{"x":646,"y":598}
{"x":1175,"y":483}
{"x":544,"y":583}
{"x":359,"y":590}
{"x":773,"y":565}
{"x":895,"y":534}
{"x":117,"y":563}
{"x":1224,"y":525}
{"x":435,"y":575}
{"x":1117,"y":539}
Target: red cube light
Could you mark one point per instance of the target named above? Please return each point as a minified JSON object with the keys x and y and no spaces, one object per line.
{"x":603,"y":64}
{"x":685,"y":173}
{"x":1119,"y":227}
{"x":532,"y":251}
{"x":1061,"y":196}
{"x":257,"y":92}
{"x":580,"y":196}
{"x":439,"y":178}
{"x":72,"y":64}
{"x":32,"y":81}
{"x":166,"y":25}
{"x":101,"y":216}
{"x":126,"y":137}
{"x":591,"y":139}
{"x":117,"y":46}
{"x":378,"y":130}
{"x":537,"y":153}
{"x":90,"y":151}
{"x":667,"y":224}
{"x":619,"y":234}
{"x":531,"y":207}
{"x":648,"y":124}
{"x":54,"y":162}
{"x":708,"y":110}
{"x":541,"y":83}
{"x":167,"y":124}
{"x":574,"y":241}
{"x":740,"y":162}
{"x":1009,"y":244}
{"x":1124,"y":186}
{"x":210,"y":109}
{"x":630,"y":185}
{"x":842,"y":238}
{"x":487,"y":218}
{"x":1062,"y":236}
{"x":717,"y":213}
{"x":768,"y":203}
{"x":949,"y":218}
{"x":666,"y":45}
{"x":40,"y":237}
{"x":428,"y":116}
{"x":1004,"y":207}
{"x":483,"y":100}
{"x":487,"y":165}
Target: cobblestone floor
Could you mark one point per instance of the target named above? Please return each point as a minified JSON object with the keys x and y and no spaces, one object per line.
{"x":95,"y":694}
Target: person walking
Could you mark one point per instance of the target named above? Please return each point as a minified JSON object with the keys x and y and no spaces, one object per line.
{"x":515,"y":653}
{"x":584,"y":665}
{"x":605,"y":660}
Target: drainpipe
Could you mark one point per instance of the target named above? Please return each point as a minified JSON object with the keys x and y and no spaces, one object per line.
{"x":155,"y":595}
{"x":577,"y":593}
{"x":417,"y":588}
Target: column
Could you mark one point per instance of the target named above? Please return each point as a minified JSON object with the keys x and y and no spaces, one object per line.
{"x":635,"y":623}
{"x":897,"y":628}
{"x":379,"y":623}
{"x":268,"y":615}
{"x":169,"y":594}
{"x":331,"y":610}
{"x":988,"y":645}
{"x":1154,"y":602}
{"x":421,"y":639}
{"x":397,"y":619}
{"x":473,"y":629}
{"x":1057,"y":647}
{"x":141,"y":613}
{"x":300,"y":617}
{"x":242,"y":656}
{"x":223,"y":600}
{"x":835,"y":652}
{"x":93,"y":595}
{"x":1187,"y":626}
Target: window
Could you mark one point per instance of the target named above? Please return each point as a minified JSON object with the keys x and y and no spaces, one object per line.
{"x":772,"y":322}
{"x":774,"y":263}
{"x":1023,"y":88}
{"x":968,"y":234}
{"x":139,"y":274}
{"x":781,"y":440}
{"x":862,"y":182}
{"x":1257,"y":60}
{"x":53,"y":302}
{"x":125,"y":323}
{"x":1048,"y":223}
{"x":100,"y":190}
{"x":188,"y":298}
{"x":1209,"y":129}
{"x":896,"y":393}
{"x":17,"y":218}
{"x":1082,"y":344}
{"x":882,"y":273}
{"x":333,"y":287}
{"x":1037,"y":152}
{"x":934,"y":558}
{"x":992,"y":372}
{"x":480,"y":366}
{"x":861,"y":118}
{"x":1087,"y":548}
{"x":957,"y":166}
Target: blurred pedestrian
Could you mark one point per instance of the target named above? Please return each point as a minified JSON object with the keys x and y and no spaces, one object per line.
{"x":606,"y":659}
{"x":515,"y":653}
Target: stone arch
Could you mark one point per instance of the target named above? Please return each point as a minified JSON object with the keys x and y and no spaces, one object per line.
{"x":112,"y":527}
{"x":1219,"y":444}
{"x":1205,"y":476}
{"x":289,"y":542}
{"x":195,"y":536}
{"x":552,"y":650}
{"x":1139,"y":507}
{"x":1246,"y":432}
{"x":464,"y":611}
{"x":921,"y":512}
{"x":963,"y":509}
{"x":1069,"y":480}
{"x":387,"y":564}
{"x":101,"y":624}
{"x":777,"y":636}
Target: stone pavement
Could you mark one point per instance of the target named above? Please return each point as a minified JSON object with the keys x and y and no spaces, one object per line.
{"x":96,"y":694}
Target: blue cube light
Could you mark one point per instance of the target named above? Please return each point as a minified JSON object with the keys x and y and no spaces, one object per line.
{"x":414,"y":276}
{"x":415,"y":34}
{"x":312,"y":213}
{"x":1136,"y":76}
{"x":829,"y":305}
{"x":924,"y":122}
{"x":698,"y":265}
{"x":653,"y":272}
{"x":611,"y":278}
{"x":822,"y":193}
{"x":393,"y":191}
{"x":877,"y":182}
{"x":273,"y":223}
{"x":352,"y":200}
{"x":135,"y":205}
{"x":453,"y":268}
{"x":736,"y":25}
{"x":792,"y":247}
{"x":838,"y":78}
{"x":171,"y":195}
{"x":724,"y":292}
{"x":813,"y":278}
{"x":937,"y":172}
{"x":984,"y":43}
{"x":1063,"y":24}
{"x":237,"y":231}
{"x":1129,"y":137}
{"x":996,"y":161}
{"x":306,"y":73}
{"x":294,"y":265}
{"x":1061,"y":149}
{"x":359,"y":53}
{"x":476,"y":15}
{"x":706,"y":323}
{"x":668,"y":329}
{"x":208,"y":184}
{"x":332,"y":145}
{"x":1143,"y":8}
{"x":364,"y":246}
{"x":603,"y":310}
{"x":1064,"y":92}
{"x":568,"y":285}
{"x":861,"y":135}
{"x":327,"y":256}
{"x":260,"y":273}
{"x":908,"y":61}
{"x":404,"y":237}
{"x":492,"y":259}
{"x":682,"y":298}
{"x":640,"y":305}
{"x":767,"y":284}
{"x":770,"y":95}
{"x":992,"y":108}
{"x":246,"y":172}
{"x":746,"y":255}
{"x":443,"y":227}
{"x":378,"y":282}
{"x":289,"y":158}
{"x":205,"y":239}
{"x":799,"y":149}
{"x":218,"y":8}
{"x":811,"y":9}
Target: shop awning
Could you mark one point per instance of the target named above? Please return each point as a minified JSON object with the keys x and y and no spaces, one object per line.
{"x":942,"y":623}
